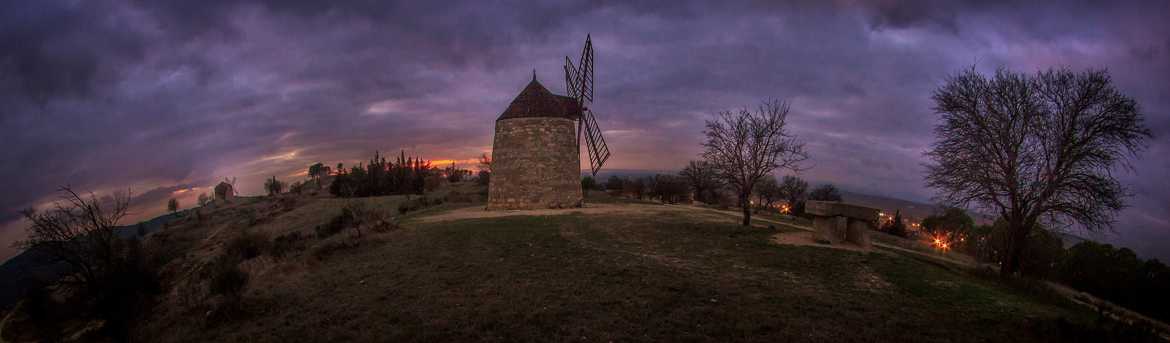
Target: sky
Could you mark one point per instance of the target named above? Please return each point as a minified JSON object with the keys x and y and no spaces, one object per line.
{"x":165,"y":98}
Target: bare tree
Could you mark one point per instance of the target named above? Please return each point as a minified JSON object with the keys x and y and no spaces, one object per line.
{"x":173,"y":205}
{"x":768,"y":191}
{"x":79,"y":232}
{"x":315,"y":171}
{"x":273,"y":186}
{"x":793,"y":190}
{"x":1034,"y":149}
{"x":746,"y":146}
{"x":825,"y":192}
{"x":703,"y":180}
{"x":485,"y":170}
{"x":485,"y":162}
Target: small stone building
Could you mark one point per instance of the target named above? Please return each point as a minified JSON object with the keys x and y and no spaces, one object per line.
{"x":224,"y":191}
{"x":536,"y":162}
{"x":837,"y":222}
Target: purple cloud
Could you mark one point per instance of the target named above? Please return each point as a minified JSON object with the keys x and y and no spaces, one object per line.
{"x":160,"y":95}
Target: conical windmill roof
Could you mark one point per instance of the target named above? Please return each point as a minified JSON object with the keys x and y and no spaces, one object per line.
{"x":537,"y":101}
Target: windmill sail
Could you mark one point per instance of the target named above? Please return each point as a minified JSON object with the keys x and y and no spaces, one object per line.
{"x":598,"y":151}
{"x":579,"y":86}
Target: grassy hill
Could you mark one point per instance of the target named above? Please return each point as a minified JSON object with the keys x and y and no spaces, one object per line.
{"x":618,"y":270}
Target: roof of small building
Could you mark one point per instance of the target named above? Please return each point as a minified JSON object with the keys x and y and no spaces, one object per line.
{"x":537,"y":101}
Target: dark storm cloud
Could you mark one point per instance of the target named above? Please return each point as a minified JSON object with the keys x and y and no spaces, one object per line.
{"x":168,"y":96}
{"x":47,"y":48}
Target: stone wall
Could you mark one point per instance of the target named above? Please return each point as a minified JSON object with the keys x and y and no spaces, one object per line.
{"x":837,"y":222}
{"x":535,"y":164}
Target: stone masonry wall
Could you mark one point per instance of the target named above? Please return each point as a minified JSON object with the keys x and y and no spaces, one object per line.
{"x":535,"y":164}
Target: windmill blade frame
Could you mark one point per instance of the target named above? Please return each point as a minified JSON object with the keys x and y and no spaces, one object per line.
{"x":598,"y":150}
{"x":579,"y":86}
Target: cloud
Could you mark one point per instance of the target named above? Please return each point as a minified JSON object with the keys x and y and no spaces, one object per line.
{"x":163,"y":94}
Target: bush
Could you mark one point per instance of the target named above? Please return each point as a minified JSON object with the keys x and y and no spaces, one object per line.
{"x":273,"y":186}
{"x":671,"y":189}
{"x":418,"y":204}
{"x":286,"y":204}
{"x":335,"y":225}
{"x":325,"y":249}
{"x":1117,"y":275}
{"x":297,"y":187}
{"x":988,"y":243}
{"x":363,"y":217}
{"x":615,"y":183}
{"x":459,"y":197}
{"x":897,"y":226}
{"x":226,"y":278}
{"x":286,"y":244}
{"x":483,"y":178}
{"x":432,"y":182}
{"x":588,"y":183}
{"x":249,"y":217}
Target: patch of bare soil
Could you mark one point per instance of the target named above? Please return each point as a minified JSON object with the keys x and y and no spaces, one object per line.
{"x":805,"y":238}
{"x":479,"y":211}
{"x":869,"y":280}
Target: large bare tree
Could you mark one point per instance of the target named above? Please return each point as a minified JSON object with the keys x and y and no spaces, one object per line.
{"x":746,"y":146}
{"x":79,"y":231}
{"x":1034,"y":148}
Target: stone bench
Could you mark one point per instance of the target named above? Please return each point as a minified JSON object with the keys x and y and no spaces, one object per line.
{"x":837,"y":222}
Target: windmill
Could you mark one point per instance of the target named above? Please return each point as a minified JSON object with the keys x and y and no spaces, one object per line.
{"x":579,"y":86}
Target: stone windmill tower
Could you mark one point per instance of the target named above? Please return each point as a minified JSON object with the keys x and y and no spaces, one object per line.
{"x":536,"y":156}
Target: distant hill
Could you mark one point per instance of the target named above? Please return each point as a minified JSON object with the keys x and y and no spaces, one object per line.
{"x":32,"y":268}
{"x":911,"y":209}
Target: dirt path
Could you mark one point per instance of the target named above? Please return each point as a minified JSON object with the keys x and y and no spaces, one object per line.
{"x":805,"y":238}
{"x":480,"y":212}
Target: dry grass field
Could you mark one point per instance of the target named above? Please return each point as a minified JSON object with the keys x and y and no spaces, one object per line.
{"x":618,"y":271}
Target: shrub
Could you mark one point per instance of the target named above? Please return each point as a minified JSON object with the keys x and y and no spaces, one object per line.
{"x":615,"y":183}
{"x":249,"y":217}
{"x":286,"y":204}
{"x":670,"y":189}
{"x":273,"y":186}
{"x":247,"y":246}
{"x":327,"y":248}
{"x":588,"y":183}
{"x":455,"y":174}
{"x":418,"y":204}
{"x":431,"y":182}
{"x":459,"y":197}
{"x":287,"y":243}
{"x":226,"y":277}
{"x":297,"y":187}
{"x":335,"y":225}
{"x":483,"y":178}
{"x":365,"y":218}
{"x":897,"y":226}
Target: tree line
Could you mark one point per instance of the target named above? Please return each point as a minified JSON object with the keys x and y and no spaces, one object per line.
{"x":1108,"y":272}
{"x":404,"y":175}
